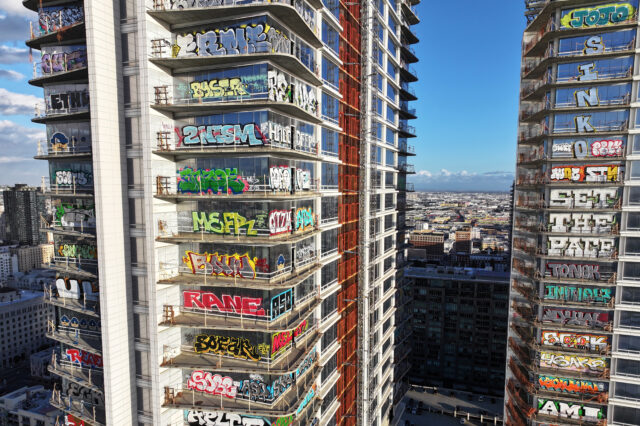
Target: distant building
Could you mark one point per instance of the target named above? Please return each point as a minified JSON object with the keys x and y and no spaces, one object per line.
{"x":23,"y":324}
{"x":33,"y":257}
{"x":459,"y":328}
{"x":432,"y":243}
{"x":23,"y":206}
{"x":8,"y":264}
{"x":39,"y":364}
{"x":463,"y":240}
{"x":29,"y":406}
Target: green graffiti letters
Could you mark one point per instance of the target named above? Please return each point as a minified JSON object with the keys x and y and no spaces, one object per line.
{"x":231,"y":223}
{"x":216,"y":181}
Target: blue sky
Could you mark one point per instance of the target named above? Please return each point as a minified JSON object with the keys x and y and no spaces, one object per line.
{"x":468,"y":95}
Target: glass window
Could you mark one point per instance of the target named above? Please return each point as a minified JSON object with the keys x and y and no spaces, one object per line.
{"x":379,"y":81}
{"x":391,"y":46}
{"x":329,"y":368}
{"x":392,"y":24}
{"x":635,"y":168}
{"x":627,"y":390}
{"x":632,"y":246}
{"x":626,"y":415}
{"x":391,"y":70}
{"x":333,"y":6}
{"x":627,"y":367}
{"x":329,"y":336}
{"x":634,"y":195}
{"x":630,"y":319}
{"x":379,"y":30}
{"x":392,"y":93}
{"x":330,"y":108}
{"x":329,"y":305}
{"x":329,"y":175}
{"x":390,"y":160}
{"x":378,"y":129}
{"x":329,"y":208}
{"x":595,"y":70}
{"x":600,"y":43}
{"x":378,"y":54}
{"x":329,"y":274}
{"x":330,"y":73}
{"x":391,"y":114}
{"x":631,"y":295}
{"x":391,"y":136}
{"x":331,"y":37}
{"x":329,"y":142}
{"x":631,"y":271}
{"x":378,"y":102}
{"x":636,"y":143}
{"x":628,"y":343}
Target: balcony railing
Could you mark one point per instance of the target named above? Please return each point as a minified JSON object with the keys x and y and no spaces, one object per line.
{"x":407,"y":128}
{"x":61,"y":148}
{"x":407,"y":168}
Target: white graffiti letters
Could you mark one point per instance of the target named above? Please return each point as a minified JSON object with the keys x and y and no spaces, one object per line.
{"x":587,"y":198}
{"x":220,"y":418}
{"x":581,"y":247}
{"x":578,"y":223}
{"x":213,"y":384}
{"x":279,"y":222}
{"x":280,"y":179}
{"x":279,"y":89}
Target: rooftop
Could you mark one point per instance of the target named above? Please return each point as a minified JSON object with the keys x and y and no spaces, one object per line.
{"x":459,"y":273}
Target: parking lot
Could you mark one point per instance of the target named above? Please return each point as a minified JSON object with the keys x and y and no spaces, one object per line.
{"x":444,"y":407}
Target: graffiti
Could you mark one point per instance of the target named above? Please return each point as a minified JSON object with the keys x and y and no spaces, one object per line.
{"x":254,"y":38}
{"x":228,"y":134}
{"x":305,"y":97}
{"x":577,"y":294}
{"x":184,"y":4}
{"x":89,"y":396}
{"x":279,"y":222}
{"x":601,"y":15}
{"x":306,"y":363}
{"x":83,"y":358}
{"x":569,"y":410}
{"x":310,"y":395}
{"x":284,"y":421}
{"x":70,"y":420}
{"x":71,"y":58}
{"x":304,"y":219}
{"x":281,"y":341}
{"x":280,"y":179}
{"x":607,"y":148}
{"x":54,"y":18}
{"x":280,"y":262}
{"x":281,"y":304}
{"x":70,"y":289}
{"x":578,"y":271}
{"x":78,"y":251}
{"x":582,"y":149}
{"x":80,"y":323}
{"x":279,"y":88}
{"x":587,"y":98}
{"x":70,"y":178}
{"x":305,"y":253}
{"x":587,"y":198}
{"x":218,"y":88}
{"x":581,"y":247}
{"x":581,"y":222}
{"x":231,"y":304}
{"x":572,"y":362}
{"x":236,"y":347}
{"x":75,"y":215}
{"x":573,"y":386}
{"x":216,"y":181}
{"x":569,"y":317}
{"x":256,"y":389}
{"x":220,"y":418}
{"x":574,"y":341}
{"x":234,"y":265}
{"x":606,"y":173}
{"x":304,"y":140}
{"x":279,"y":133}
{"x":231,"y":224}
{"x":213,"y":384}
{"x":303,"y":180}
{"x":70,"y":100}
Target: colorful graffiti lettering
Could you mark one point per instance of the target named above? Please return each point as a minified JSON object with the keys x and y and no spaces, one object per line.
{"x":587,"y":198}
{"x":74,"y":215}
{"x":280,"y":341}
{"x":234,"y":265}
{"x":78,"y":251}
{"x":574,"y":271}
{"x":280,"y":179}
{"x":69,"y":288}
{"x":607,"y":148}
{"x":575,"y":341}
{"x":218,"y":88}
{"x":213,"y":384}
{"x":83,"y":358}
{"x":254,"y":38}
{"x":54,"y":18}
{"x":604,"y":173}
{"x":281,"y":304}
{"x":70,"y":420}
{"x":580,"y":223}
{"x":573,"y":386}
{"x":220,"y":418}
{"x":304,"y":219}
{"x":572,"y":362}
{"x":307,"y":399}
{"x":226,"y":303}
{"x":601,"y":15}
{"x":568,"y":317}
{"x":231,"y":224}
{"x":72,"y":58}
{"x":236,"y":347}
{"x":279,"y":222}
{"x":577,"y":294}
{"x":569,"y":410}
{"x":283,"y":421}
{"x":81,"y":323}
{"x":306,"y":363}
{"x":78,"y":392}
{"x":217,"y":181}
{"x":580,"y":247}
{"x":70,"y":177}
{"x":256,"y":389}
{"x":222,"y":134}
{"x":279,"y":88}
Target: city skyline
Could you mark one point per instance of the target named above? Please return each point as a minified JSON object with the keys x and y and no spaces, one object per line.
{"x":475,"y":168}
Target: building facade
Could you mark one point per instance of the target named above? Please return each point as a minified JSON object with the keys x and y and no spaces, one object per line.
{"x":574,"y":337}
{"x":229,"y":188}
{"x":23,"y":208}
{"x":459,"y":328}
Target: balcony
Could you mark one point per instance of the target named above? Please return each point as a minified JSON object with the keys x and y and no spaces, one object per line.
{"x":48,"y":31}
{"x":61,"y":67}
{"x":407,"y":72}
{"x":298,"y":15}
{"x":406,"y":149}
{"x":410,"y":13}
{"x":406,"y":112}
{"x":62,"y":149}
{"x":46,"y":114}
{"x":181,"y":103}
{"x":89,"y":413}
{"x":408,"y":36}
{"x":406,"y":168}
{"x":409,"y":54}
{"x":407,"y":130}
{"x":407,"y":93}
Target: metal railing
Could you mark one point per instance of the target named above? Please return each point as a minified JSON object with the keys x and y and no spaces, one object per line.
{"x":167,"y":186}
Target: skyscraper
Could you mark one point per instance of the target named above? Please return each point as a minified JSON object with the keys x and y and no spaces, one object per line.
{"x":229,"y":182}
{"x":574,"y":347}
{"x":24,"y":207}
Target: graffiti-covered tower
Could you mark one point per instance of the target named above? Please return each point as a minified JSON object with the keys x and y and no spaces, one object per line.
{"x":574,"y":346}
{"x":229,"y":186}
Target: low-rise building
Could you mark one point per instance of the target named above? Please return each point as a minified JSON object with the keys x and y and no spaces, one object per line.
{"x":29,"y":406}
{"x":33,"y":257}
